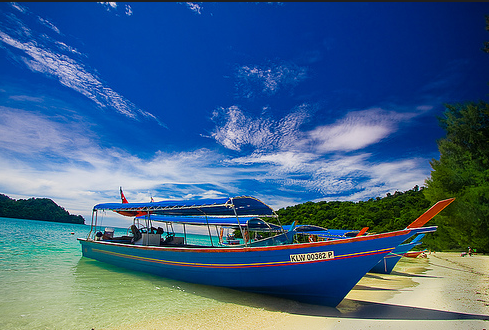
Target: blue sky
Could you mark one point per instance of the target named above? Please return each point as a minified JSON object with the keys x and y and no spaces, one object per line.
{"x":287,"y":102}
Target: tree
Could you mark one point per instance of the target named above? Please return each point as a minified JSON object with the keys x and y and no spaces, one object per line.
{"x":43,"y":209}
{"x":463,"y":172}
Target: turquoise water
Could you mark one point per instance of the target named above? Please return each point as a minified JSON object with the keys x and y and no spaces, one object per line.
{"x":45,"y":283}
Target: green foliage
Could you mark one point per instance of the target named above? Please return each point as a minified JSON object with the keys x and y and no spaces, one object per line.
{"x":463,"y":172}
{"x":36,"y":209}
{"x":393,"y":212}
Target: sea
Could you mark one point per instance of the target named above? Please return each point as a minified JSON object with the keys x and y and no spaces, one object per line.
{"x":45,"y":283}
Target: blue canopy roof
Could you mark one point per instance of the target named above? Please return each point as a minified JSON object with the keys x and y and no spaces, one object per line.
{"x":233,"y":206}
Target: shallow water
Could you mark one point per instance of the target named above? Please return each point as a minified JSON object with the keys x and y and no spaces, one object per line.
{"x":47,"y":284}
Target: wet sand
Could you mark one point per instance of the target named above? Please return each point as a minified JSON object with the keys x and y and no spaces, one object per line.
{"x":442,"y":291}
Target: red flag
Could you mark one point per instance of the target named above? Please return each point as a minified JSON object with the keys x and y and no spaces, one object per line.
{"x":124,"y":200}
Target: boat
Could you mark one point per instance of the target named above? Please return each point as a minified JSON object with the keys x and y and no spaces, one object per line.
{"x":314,"y":233}
{"x":413,"y":254}
{"x":265,"y":260}
{"x":387,"y":264}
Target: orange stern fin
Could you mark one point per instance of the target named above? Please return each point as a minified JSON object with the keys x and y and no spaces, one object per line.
{"x":428,"y":215}
{"x":363,"y":231}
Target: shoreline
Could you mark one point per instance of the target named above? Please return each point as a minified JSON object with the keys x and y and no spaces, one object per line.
{"x":442,"y":291}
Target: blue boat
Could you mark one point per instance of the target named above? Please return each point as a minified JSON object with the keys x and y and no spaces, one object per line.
{"x":387,"y":264}
{"x":266,"y":260}
{"x":384,"y":266}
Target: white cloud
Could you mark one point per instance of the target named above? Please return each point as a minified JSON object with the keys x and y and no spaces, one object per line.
{"x":109,"y":5}
{"x":53,"y":58}
{"x":327,"y":160}
{"x":268,"y":79}
{"x":347,"y":137}
{"x":357,"y":130}
{"x":334,"y":175}
{"x":44,"y":156}
{"x":196,"y":7}
{"x":236,"y":130}
{"x":27,"y":133}
{"x":18,"y":7}
{"x":401,"y":173}
{"x":112,"y":7}
{"x":49,"y":25}
{"x":128,"y":10}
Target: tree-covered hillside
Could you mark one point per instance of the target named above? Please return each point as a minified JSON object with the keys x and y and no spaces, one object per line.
{"x":393,"y":212}
{"x":36,"y":209}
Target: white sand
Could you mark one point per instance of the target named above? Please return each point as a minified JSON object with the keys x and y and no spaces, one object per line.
{"x":443,"y":291}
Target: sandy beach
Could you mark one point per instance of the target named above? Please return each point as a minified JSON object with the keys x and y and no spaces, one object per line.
{"x":442,"y":291}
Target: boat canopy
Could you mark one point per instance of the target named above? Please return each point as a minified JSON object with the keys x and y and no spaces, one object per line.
{"x":250,"y":223}
{"x":222,"y":207}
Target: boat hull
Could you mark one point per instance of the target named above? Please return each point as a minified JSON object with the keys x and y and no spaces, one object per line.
{"x":387,"y":264}
{"x":319,"y":273}
{"x":412,"y":254}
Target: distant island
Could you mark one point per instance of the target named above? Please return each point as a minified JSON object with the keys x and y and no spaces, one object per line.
{"x":43,"y":209}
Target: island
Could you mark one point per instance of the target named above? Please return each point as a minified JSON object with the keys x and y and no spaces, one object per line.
{"x":43,"y":209}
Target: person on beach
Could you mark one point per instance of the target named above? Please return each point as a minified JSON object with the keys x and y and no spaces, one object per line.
{"x":470,"y":251}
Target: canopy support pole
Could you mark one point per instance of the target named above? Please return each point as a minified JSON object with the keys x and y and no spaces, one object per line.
{"x":91,"y":224}
{"x":184,"y":234}
{"x":239,"y":224}
{"x":209,"y":230}
{"x":218,"y":235}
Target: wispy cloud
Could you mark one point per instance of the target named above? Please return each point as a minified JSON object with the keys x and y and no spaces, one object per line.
{"x":235,"y":130}
{"x":109,"y":5}
{"x":357,"y":130}
{"x":327,"y":160}
{"x":27,"y":133}
{"x":49,"y":25}
{"x":113,"y":7}
{"x":60,"y":157}
{"x":53,"y":58}
{"x":56,"y":157}
{"x":256,"y":80}
{"x":196,"y":7}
